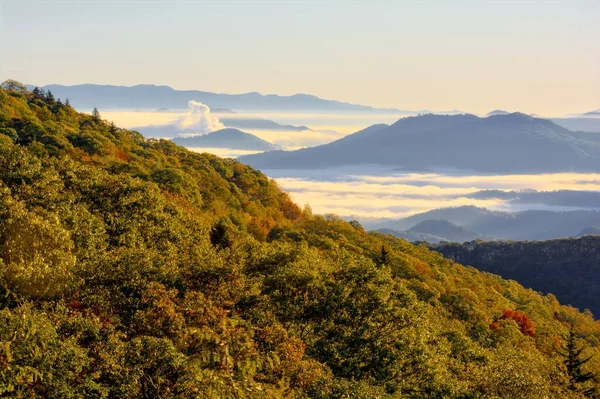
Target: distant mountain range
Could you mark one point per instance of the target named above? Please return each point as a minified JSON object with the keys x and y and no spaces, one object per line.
{"x":87,"y":96}
{"x":497,"y":112}
{"x":590,"y":231}
{"x":171,"y":130}
{"x":594,"y":114}
{"x":559,"y":198}
{"x":513,"y":143}
{"x":435,"y":231}
{"x":567,"y":268}
{"x":524,"y":225}
{"x":226,"y":138}
{"x":582,"y":124}
{"x":260,"y":124}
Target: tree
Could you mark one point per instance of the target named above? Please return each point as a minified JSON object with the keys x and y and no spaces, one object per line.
{"x":95,"y":114}
{"x":356,"y":224}
{"x":50,"y":97}
{"x":14,"y":85}
{"x":578,"y":377}
{"x":67,"y":103}
{"x":384,"y":256}
{"x":219,"y":235}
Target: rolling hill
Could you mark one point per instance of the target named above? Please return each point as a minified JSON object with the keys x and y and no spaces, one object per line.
{"x":523,"y":225}
{"x":568,"y":268}
{"x":134,"y":268}
{"x":464,"y":142}
{"x":227,"y":138}
{"x":497,"y":112}
{"x":595,"y":114}
{"x":434,"y":231}
{"x":260,"y":124}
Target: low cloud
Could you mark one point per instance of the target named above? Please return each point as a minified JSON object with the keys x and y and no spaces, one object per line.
{"x":198,"y":120}
{"x":392,"y":195}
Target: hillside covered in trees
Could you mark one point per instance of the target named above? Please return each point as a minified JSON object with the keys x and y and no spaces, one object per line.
{"x":133,"y":268}
{"x":568,"y":268}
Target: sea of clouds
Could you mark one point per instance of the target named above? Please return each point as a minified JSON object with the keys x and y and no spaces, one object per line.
{"x":375,"y":192}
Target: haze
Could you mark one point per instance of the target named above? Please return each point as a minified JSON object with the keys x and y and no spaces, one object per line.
{"x":533,"y":57}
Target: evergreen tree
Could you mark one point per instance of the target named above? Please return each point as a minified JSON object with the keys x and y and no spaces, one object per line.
{"x":383,"y":256}
{"x":50,"y":97}
{"x":578,"y":377}
{"x":67,"y":103}
{"x":96,"y":114}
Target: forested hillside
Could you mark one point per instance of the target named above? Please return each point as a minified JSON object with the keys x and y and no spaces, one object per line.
{"x":133,"y":268}
{"x":568,"y":268}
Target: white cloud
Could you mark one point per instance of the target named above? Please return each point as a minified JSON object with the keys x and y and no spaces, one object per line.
{"x":198,"y":119}
{"x":395,"y":196}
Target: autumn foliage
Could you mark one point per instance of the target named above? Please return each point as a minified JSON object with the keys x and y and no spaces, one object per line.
{"x":525,"y":325}
{"x":133,"y":268}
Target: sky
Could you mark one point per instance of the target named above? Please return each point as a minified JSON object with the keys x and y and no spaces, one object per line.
{"x":529,"y":56}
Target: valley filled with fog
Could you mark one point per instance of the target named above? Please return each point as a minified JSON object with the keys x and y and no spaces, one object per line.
{"x":378,"y":196}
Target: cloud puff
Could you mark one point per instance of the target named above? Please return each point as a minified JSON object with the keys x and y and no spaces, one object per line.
{"x":198,"y":119}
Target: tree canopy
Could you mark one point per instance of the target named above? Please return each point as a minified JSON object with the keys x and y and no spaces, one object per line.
{"x":134,"y":268}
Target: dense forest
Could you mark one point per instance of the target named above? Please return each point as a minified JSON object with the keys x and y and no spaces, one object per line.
{"x":568,"y":268}
{"x":133,"y":268}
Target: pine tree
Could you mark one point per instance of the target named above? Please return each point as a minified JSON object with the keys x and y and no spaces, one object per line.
{"x":384,"y":256}
{"x":67,"y":103}
{"x":50,"y":97}
{"x":574,"y":362}
{"x":96,"y":114}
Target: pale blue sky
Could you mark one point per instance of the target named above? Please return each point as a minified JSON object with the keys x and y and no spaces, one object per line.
{"x":535,"y":56}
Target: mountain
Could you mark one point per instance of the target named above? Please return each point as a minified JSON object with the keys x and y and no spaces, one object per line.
{"x":497,"y":112}
{"x":568,"y":268}
{"x":558,"y":198}
{"x":434,"y":231}
{"x":159,"y":131}
{"x":87,"y":96}
{"x":134,"y":268}
{"x":594,"y":114}
{"x":524,"y":225}
{"x":590,"y":231}
{"x":591,"y":125}
{"x":227,"y":138}
{"x":459,"y":141}
{"x":410,"y":236}
{"x":260,"y":124}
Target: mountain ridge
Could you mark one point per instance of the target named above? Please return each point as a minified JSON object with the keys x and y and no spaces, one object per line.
{"x":459,"y":141}
{"x":88,"y":96}
{"x":231,"y":138}
{"x":521,"y":225}
{"x":566,"y":267}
